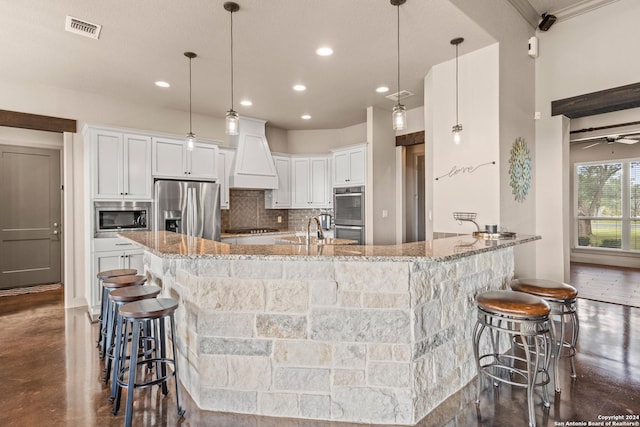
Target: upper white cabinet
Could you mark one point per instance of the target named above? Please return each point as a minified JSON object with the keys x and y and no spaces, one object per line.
{"x":172,"y":159}
{"x":281,"y":197}
{"x":309,"y":179}
{"x":350,"y":166}
{"x":225,"y":161}
{"x":121,"y":164}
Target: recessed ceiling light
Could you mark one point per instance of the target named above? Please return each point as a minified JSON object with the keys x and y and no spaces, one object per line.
{"x":160,"y":83}
{"x":299,"y":88}
{"x":305,"y":117}
{"x":246,"y":103}
{"x":324,"y":51}
{"x":382,"y":89}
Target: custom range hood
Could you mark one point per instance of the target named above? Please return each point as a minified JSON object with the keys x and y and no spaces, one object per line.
{"x":253,"y":165}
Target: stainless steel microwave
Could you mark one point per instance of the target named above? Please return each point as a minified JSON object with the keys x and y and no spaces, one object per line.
{"x":112,"y":217}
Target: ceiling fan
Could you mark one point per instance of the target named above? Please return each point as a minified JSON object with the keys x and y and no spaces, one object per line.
{"x":611,"y":139}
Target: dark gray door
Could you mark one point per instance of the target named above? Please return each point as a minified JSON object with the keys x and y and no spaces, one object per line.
{"x":30,"y":216}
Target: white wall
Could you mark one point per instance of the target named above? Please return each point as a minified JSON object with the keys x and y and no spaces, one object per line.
{"x":415,"y":121}
{"x":473,"y":188}
{"x":324,"y":140}
{"x":590,"y":52}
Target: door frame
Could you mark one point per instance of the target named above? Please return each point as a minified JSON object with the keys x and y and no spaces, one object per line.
{"x":73,"y":297}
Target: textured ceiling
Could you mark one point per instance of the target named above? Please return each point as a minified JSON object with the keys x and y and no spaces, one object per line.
{"x":275,"y":41}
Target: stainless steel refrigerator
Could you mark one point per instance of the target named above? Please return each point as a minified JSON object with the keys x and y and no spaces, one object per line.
{"x":188,"y":207}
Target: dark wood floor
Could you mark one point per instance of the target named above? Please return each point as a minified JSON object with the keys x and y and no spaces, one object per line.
{"x":50,"y":375}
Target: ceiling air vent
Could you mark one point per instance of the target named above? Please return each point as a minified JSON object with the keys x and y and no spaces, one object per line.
{"x":402,"y":95}
{"x":83,"y":28}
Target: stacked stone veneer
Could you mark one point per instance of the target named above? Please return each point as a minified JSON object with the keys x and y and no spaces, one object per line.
{"x":371,"y":341}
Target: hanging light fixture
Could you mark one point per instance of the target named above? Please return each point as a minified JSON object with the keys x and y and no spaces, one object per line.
{"x":231,"y":118}
{"x":191,"y":138}
{"x":399,"y":114}
{"x":456,"y":130}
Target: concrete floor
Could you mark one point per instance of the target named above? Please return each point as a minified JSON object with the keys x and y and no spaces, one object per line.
{"x":50,"y":375}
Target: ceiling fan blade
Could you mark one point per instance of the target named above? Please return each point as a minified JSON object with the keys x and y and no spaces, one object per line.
{"x":627,"y":141}
{"x":590,"y":145}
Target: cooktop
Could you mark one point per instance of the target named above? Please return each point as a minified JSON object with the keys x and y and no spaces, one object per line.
{"x":251,"y":230}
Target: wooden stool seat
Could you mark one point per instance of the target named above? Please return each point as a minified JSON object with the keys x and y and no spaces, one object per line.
{"x":115,"y":273}
{"x":122,"y":281}
{"x":134,"y":293}
{"x":549,"y":289}
{"x":516,"y":304}
{"x":149,"y":308}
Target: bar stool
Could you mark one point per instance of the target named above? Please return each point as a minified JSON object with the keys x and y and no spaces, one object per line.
{"x":109,"y":285}
{"x":118,"y":298}
{"x":520,"y":317}
{"x":562,"y":299}
{"x":103,"y":275}
{"x":135,"y":315}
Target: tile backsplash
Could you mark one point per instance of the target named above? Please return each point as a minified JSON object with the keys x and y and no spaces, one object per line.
{"x":246,"y":210}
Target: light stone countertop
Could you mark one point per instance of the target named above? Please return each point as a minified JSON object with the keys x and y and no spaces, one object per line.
{"x":268,"y":233}
{"x":174,"y":245}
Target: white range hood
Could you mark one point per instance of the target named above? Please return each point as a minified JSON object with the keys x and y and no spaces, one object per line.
{"x":253,"y":165}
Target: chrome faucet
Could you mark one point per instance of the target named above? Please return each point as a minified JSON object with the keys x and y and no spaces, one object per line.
{"x":319,"y":227}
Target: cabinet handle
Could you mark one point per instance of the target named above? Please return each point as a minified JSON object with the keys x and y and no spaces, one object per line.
{"x":124,"y":244}
{"x":189,"y":173}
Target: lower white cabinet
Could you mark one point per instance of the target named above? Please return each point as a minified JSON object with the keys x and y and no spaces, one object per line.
{"x":112,"y":254}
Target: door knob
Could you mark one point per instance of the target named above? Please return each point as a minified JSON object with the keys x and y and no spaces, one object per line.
{"x":55,"y":232}
{"x":55,"y":224}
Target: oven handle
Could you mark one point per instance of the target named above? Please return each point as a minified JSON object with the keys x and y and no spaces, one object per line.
{"x":352,"y":227}
{"x":348,"y":194}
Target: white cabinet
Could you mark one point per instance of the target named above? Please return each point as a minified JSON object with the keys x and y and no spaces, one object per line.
{"x":350,"y":166}
{"x":112,"y":254}
{"x":121,"y":165}
{"x":172,"y":159}
{"x":225,"y":160}
{"x":280,"y":198}
{"x":309,"y":179}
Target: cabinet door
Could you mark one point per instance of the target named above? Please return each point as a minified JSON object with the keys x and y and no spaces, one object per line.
{"x":300,"y":175}
{"x":134,"y":259}
{"x":318,"y":182}
{"x":225,"y":159}
{"x":341,"y":171}
{"x":110,"y":260}
{"x":169,"y":158}
{"x":357,"y":167}
{"x":108,"y":164}
{"x":282,"y":196}
{"x":137,"y":167}
{"x":202,"y":161}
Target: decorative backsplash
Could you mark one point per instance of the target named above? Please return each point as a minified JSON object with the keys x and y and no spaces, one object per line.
{"x":246,"y":210}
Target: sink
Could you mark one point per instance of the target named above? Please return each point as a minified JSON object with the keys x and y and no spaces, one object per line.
{"x":302,"y":240}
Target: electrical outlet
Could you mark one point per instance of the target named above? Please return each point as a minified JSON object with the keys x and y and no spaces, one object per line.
{"x":279,"y":219}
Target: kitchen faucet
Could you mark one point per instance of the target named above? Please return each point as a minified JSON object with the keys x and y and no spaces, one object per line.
{"x":320,"y":233}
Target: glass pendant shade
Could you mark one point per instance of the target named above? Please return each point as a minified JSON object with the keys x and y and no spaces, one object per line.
{"x":191,"y":141}
{"x":399,"y":117}
{"x":456,"y":131}
{"x":232,"y":123}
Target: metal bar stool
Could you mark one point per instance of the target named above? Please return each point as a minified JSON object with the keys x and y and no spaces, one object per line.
{"x":103,"y":275}
{"x":562,"y":299}
{"x":118,"y":298}
{"x":135,"y":315}
{"x":109,"y":285}
{"x":520,"y":317}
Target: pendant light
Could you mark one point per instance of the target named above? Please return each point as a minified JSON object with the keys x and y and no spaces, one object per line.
{"x":231,"y":118}
{"x":456,"y":130}
{"x":399,"y":114}
{"x":191,"y":138}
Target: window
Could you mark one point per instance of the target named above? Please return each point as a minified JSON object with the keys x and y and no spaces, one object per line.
{"x":608,"y":205}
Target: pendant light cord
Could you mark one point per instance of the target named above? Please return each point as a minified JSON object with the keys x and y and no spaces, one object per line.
{"x":232,"y":60}
{"x":457,"y":121}
{"x":190,"y":127}
{"x":398,"y":40}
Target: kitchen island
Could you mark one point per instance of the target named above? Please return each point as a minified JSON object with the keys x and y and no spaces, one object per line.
{"x":371,"y":334}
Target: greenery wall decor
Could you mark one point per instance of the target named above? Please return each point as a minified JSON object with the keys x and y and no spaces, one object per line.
{"x":520,"y":170}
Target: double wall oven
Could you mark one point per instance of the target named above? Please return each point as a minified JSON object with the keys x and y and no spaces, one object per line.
{"x":348,"y":210}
